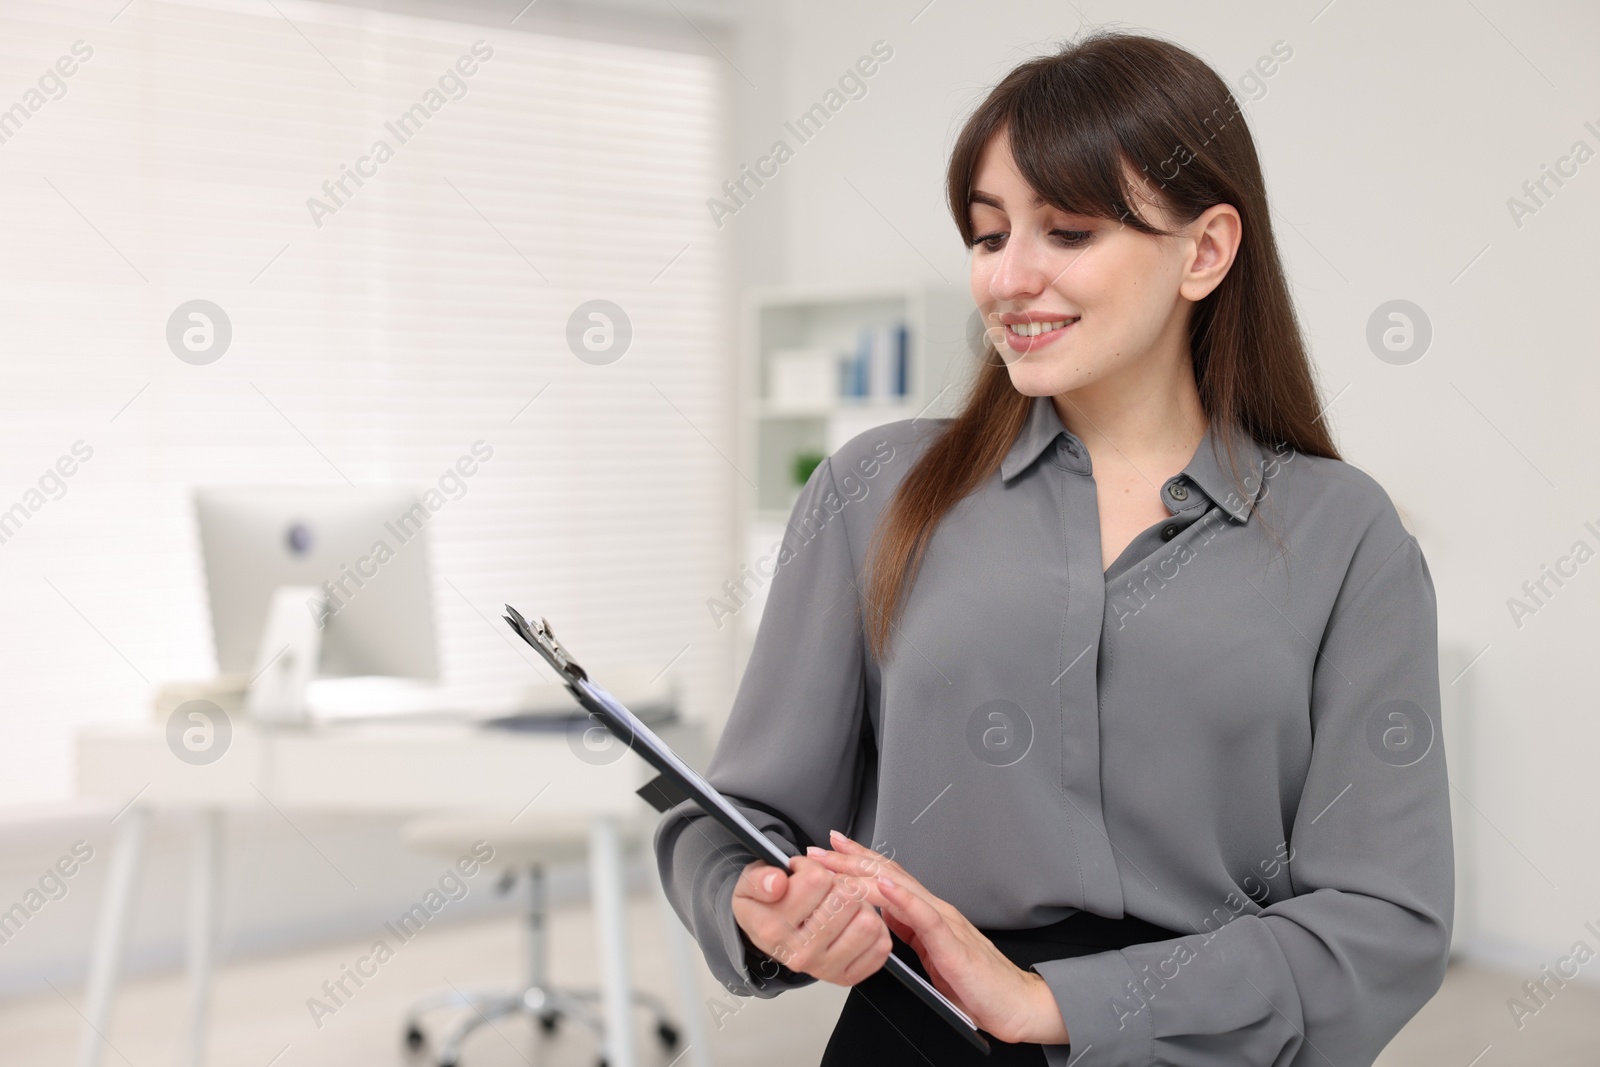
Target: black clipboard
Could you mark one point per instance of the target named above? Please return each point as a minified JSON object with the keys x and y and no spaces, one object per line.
{"x":627,"y":728}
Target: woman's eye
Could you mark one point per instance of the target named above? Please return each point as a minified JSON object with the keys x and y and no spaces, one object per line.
{"x":991,"y":242}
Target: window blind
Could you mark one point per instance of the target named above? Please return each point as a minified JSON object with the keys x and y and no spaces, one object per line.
{"x":382,"y":325}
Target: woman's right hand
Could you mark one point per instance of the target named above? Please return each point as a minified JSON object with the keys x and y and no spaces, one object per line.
{"x":811,"y":920}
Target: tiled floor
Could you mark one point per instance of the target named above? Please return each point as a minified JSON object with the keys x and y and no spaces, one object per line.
{"x":260,"y":1015}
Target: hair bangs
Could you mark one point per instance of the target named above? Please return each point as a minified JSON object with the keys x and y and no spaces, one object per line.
{"x":1080,"y":165}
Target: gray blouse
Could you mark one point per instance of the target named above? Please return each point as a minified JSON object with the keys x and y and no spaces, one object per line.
{"x":1224,"y":733}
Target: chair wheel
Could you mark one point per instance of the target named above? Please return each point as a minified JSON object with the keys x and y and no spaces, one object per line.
{"x":548,"y":1021}
{"x":668,"y":1034}
{"x":414,"y":1038}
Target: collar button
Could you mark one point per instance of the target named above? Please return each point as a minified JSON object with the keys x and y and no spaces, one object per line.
{"x":1178,"y":491}
{"x":1068,"y":455}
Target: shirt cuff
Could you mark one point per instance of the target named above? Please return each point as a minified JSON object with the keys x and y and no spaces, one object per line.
{"x":1107,"y":1022}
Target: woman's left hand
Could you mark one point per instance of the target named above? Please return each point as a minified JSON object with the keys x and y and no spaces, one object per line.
{"x":1012,"y":1004}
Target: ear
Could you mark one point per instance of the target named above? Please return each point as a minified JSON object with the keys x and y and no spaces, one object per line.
{"x":1216,"y":233}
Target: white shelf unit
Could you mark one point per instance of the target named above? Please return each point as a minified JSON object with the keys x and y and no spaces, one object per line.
{"x":938,"y":371}
{"x":781,"y":319}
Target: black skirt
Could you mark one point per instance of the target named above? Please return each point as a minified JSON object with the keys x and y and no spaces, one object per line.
{"x":883,"y":1024}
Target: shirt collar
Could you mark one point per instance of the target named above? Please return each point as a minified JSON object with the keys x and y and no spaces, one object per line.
{"x":1208,"y":468}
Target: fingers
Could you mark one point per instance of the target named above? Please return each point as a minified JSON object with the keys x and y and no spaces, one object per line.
{"x":900,"y":929}
{"x":872,"y":955}
{"x":827,"y":922}
{"x":761,"y":882}
{"x":873,"y":869}
{"x":809,"y":883}
{"x":818,"y":920}
{"x":842,"y":942}
{"x":855,"y":866}
{"x":876,"y":870}
{"x":913,"y":911}
{"x":846,"y":844}
{"x":850,"y":857}
{"x":770,"y":905}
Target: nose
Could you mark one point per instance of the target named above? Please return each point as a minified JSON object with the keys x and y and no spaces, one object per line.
{"x":1020,"y":273}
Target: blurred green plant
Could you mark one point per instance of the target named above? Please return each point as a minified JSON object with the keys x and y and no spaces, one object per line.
{"x":804,"y":464}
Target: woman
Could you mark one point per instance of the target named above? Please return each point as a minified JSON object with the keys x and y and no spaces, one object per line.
{"x":1128,"y":680}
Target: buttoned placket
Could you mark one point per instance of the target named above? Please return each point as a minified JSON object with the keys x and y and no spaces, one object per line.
{"x":1186,"y":504}
{"x":1046,"y":449}
{"x":1078,"y":674}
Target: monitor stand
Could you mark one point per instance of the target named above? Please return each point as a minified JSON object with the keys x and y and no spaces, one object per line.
{"x":291,"y":646}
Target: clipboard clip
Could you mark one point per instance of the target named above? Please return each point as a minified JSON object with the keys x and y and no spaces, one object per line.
{"x":543,"y":639}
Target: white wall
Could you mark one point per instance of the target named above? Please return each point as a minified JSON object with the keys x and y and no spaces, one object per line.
{"x":1391,"y":142}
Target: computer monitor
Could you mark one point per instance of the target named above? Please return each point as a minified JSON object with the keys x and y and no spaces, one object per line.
{"x":345,"y":571}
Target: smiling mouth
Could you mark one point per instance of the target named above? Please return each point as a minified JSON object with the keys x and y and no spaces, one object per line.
{"x":1034,"y":329}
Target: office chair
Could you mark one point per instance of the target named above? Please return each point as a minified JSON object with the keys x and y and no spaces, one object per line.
{"x":525,"y":849}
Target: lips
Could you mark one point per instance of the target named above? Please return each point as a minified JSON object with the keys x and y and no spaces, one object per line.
{"x":1030,"y":332}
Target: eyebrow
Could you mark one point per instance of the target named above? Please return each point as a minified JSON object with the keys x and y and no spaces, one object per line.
{"x":978,"y":197}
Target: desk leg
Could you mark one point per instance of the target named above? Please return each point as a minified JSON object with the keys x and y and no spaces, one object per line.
{"x":205,"y":876}
{"x":111,"y":934}
{"x":610,"y":897}
{"x":681,"y":953}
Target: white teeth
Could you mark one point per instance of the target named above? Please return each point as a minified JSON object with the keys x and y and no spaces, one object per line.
{"x":1034,"y":329}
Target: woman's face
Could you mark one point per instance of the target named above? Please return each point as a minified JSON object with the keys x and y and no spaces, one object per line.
{"x":1072,"y":301}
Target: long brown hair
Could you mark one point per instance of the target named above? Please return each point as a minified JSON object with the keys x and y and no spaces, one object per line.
{"x":1075,"y":118}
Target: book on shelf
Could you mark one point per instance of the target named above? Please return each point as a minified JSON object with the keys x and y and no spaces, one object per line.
{"x":877,"y":370}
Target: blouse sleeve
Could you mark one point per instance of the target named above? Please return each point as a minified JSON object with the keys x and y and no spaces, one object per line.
{"x":791,"y":754}
{"x":1329,"y":975}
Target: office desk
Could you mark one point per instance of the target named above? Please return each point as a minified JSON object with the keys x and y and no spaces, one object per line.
{"x":394,"y":767}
